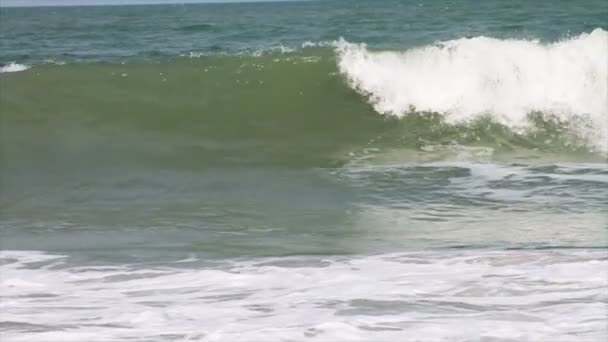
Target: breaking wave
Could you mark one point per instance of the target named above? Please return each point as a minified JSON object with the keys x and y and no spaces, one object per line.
{"x":506,"y":79}
{"x":13,"y":67}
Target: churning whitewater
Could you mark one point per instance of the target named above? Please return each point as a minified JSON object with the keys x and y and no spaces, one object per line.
{"x":505,"y":79}
{"x":422,"y":296}
{"x":13,"y":67}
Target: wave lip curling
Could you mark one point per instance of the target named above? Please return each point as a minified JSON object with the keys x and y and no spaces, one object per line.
{"x":13,"y":67}
{"x":505,"y":78}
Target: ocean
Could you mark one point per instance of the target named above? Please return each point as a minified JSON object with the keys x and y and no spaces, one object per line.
{"x":383,"y":170}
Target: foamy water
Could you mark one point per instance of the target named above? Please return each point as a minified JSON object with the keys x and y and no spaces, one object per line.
{"x":507,"y":79}
{"x":13,"y":67}
{"x":519,"y":295}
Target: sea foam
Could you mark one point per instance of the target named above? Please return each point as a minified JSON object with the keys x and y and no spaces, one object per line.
{"x":13,"y":67}
{"x":505,"y":78}
{"x":421,"y":296}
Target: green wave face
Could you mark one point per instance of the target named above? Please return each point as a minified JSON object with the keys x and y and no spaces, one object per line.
{"x":280,"y":109}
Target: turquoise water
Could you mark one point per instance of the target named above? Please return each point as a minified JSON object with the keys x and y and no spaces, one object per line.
{"x":158,"y":32}
{"x":319,"y":170}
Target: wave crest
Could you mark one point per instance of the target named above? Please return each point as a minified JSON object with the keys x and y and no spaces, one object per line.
{"x":13,"y":67}
{"x":507,"y":79}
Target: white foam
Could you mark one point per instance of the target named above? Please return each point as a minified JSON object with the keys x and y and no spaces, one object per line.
{"x":469,"y":77}
{"x":13,"y":67}
{"x":417,"y":296}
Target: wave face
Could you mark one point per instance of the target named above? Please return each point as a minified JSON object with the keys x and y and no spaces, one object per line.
{"x":506,"y":79}
{"x":468,"y":98}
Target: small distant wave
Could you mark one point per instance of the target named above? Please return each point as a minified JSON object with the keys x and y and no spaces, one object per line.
{"x":217,"y":51}
{"x":13,"y":67}
{"x":507,"y":79}
{"x":198,"y":28}
{"x":55,"y":62}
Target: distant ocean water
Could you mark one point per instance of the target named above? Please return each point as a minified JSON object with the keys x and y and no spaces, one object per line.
{"x":319,"y":170}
